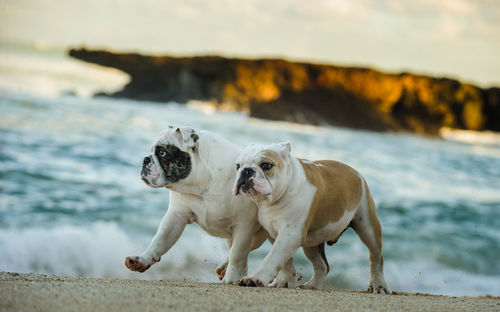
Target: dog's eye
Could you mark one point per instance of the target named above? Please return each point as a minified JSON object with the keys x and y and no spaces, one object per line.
{"x":266,"y":166}
{"x":162,"y":153}
{"x":237,"y":166}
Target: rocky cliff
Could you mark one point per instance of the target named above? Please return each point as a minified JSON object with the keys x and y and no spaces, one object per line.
{"x":307,"y":93}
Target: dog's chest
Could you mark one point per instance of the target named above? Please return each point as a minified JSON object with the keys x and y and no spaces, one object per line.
{"x":212,"y":216}
{"x":270,"y":223}
{"x":288,"y":218}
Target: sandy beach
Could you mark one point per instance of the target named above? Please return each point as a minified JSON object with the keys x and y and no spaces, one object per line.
{"x":30,"y":292}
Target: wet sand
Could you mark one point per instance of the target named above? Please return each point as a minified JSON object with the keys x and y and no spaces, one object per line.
{"x":36,"y":292}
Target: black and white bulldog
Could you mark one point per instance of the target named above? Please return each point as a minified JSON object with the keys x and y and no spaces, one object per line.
{"x":307,"y":203}
{"x":197,"y":167}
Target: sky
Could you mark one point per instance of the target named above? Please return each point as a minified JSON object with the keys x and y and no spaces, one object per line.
{"x":454,"y":38}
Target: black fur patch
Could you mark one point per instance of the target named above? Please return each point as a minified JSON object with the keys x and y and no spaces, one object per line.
{"x":195,"y":137}
{"x":176,"y":164}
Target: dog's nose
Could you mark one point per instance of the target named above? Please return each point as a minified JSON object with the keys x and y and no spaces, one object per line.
{"x":247,"y":173}
{"x":147,"y":160}
{"x":244,"y":180}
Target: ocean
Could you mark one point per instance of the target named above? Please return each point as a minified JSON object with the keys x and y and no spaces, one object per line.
{"x":72,"y":201}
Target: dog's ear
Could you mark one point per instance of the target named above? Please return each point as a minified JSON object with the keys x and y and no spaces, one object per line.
{"x":188,"y":136}
{"x":284,"y":149}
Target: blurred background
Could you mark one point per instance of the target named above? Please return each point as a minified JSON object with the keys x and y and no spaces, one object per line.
{"x":71,"y":198}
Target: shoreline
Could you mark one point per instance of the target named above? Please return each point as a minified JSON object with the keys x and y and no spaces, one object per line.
{"x":30,"y":292}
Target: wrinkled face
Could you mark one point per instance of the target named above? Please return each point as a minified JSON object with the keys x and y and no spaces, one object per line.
{"x":171,"y":158}
{"x":260,"y":170}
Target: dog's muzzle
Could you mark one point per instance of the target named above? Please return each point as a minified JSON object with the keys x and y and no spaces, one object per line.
{"x":146,"y":166}
{"x":245,"y":181}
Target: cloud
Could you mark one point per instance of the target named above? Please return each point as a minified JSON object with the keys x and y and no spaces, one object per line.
{"x":463,"y":7}
{"x":392,"y":34}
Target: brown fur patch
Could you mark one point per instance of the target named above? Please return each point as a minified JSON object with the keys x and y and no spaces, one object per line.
{"x":274,"y":157}
{"x":338,"y":189}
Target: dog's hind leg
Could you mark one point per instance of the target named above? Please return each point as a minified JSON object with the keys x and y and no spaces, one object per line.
{"x":366,"y":224}
{"x":316,"y":255}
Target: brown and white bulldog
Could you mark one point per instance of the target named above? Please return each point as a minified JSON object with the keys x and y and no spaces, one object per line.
{"x":307,"y":203}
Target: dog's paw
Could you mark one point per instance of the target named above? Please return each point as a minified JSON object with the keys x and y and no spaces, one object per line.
{"x":139,"y":264}
{"x":284,"y":280}
{"x":250,"y":282}
{"x":283,"y":284}
{"x":376,"y":288}
{"x":229,"y":280}
{"x":221,"y":271}
{"x":136,"y":264}
{"x":313,"y":284}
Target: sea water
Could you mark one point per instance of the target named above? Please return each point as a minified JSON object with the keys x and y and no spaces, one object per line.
{"x":72,"y":202}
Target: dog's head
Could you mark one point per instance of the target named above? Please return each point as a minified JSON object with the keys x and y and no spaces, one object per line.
{"x":172,"y":158}
{"x":262,"y":170}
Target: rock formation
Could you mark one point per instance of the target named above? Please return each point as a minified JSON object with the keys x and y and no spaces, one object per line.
{"x":307,"y":93}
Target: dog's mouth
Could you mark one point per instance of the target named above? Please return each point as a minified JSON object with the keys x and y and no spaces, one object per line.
{"x":151,"y":177}
{"x":146,"y":180}
{"x":243,"y":186}
{"x":247,"y":187}
{"x":154,"y":182}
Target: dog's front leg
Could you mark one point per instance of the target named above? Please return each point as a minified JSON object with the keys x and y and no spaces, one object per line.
{"x":221,"y":269}
{"x":238,"y":254}
{"x":170,"y":229}
{"x":283,"y":249}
